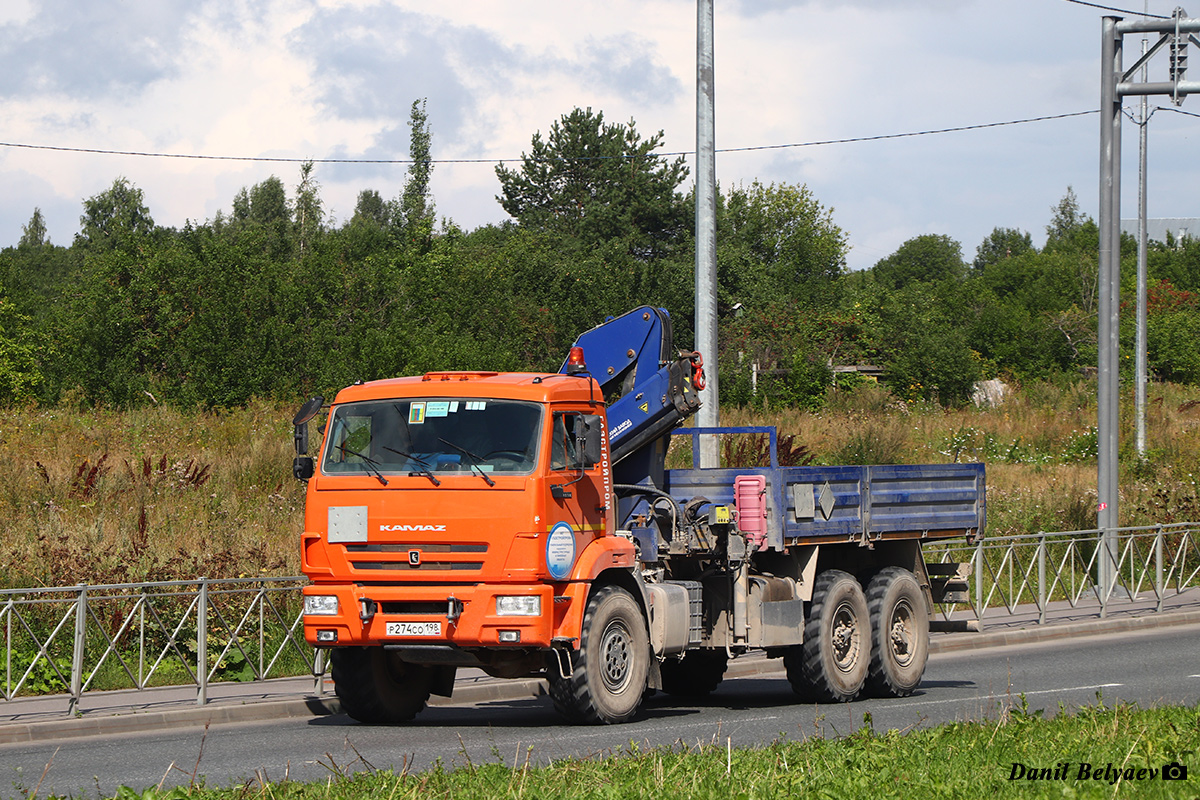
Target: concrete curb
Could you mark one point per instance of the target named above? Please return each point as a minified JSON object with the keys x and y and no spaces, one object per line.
{"x":510,"y":690}
{"x":1044,"y":633}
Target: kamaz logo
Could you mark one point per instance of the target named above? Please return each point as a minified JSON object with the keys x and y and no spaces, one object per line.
{"x":410,"y":528}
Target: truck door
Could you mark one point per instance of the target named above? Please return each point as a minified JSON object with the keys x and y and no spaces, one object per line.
{"x":582,"y":499}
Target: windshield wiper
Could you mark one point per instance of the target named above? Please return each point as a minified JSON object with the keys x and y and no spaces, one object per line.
{"x":422,"y":467}
{"x":474,"y":460}
{"x":370,"y":463}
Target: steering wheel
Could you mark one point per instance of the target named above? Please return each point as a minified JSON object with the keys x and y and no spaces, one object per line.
{"x":506,"y":455}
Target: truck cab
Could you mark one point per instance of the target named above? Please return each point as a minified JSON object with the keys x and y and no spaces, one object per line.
{"x":453,"y":519}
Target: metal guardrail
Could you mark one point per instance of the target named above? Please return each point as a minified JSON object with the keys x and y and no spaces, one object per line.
{"x":74,"y":639}
{"x":78,"y":638}
{"x":1040,"y":568}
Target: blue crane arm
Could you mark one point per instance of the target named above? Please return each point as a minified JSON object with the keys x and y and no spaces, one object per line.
{"x":649,"y":389}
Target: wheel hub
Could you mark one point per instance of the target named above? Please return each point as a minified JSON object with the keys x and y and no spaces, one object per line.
{"x":615,"y":649}
{"x":901,"y":634}
{"x":845,"y":638}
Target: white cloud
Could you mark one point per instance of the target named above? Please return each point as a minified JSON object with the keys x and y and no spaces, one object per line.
{"x":335,"y":78}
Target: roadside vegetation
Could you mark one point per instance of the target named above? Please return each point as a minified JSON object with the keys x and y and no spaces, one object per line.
{"x":1094,"y":752}
{"x":100,"y":495}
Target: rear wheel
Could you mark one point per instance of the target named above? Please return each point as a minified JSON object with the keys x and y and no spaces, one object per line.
{"x":610,"y":668}
{"x":832,"y":663}
{"x":899,"y":633}
{"x":375,"y":686}
{"x":697,"y":674}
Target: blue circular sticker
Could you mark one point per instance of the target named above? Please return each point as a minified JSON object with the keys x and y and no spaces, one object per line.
{"x":560,"y":551}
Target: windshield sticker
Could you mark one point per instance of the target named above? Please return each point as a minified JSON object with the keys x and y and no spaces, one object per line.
{"x":453,"y":406}
{"x":438,"y":408}
{"x":476,"y":405}
{"x":416,"y":414}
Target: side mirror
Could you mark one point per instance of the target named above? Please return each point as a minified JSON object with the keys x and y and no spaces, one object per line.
{"x":302,"y":468}
{"x":310,"y":409}
{"x":591,"y":440}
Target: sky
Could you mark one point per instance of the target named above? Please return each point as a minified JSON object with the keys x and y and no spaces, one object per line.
{"x":335,"y":79}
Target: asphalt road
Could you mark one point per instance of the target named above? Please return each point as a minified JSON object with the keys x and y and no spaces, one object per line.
{"x":1152,"y":667}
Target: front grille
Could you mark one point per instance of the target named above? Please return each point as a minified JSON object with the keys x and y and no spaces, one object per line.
{"x":424,"y":547}
{"x":430,"y":556}
{"x":415,"y":608}
{"x":424,"y":565}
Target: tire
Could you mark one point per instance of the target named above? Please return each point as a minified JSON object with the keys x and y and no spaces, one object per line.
{"x":697,"y":674}
{"x":376,"y":687}
{"x":610,"y":668}
{"x":899,"y":633}
{"x":831,"y":665}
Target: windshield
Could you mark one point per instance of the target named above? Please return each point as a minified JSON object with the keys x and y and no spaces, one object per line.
{"x":432,"y":435}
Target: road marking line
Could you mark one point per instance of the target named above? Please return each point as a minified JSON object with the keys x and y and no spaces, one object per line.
{"x":1006,"y":694}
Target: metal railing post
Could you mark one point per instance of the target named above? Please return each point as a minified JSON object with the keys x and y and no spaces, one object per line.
{"x":202,"y":643}
{"x":1043,"y":600}
{"x":1158,"y":567}
{"x":77,"y":653}
{"x":979,"y":582}
{"x":319,"y":672}
{"x":142,"y":639}
{"x":8,"y":608}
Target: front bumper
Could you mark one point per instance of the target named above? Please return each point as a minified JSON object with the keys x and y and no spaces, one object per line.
{"x":459,"y":615}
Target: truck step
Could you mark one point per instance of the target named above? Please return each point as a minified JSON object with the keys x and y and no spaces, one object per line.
{"x":954,"y":626}
{"x":948,"y":581}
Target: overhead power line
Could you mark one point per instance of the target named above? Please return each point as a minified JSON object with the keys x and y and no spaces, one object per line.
{"x":271,"y":159}
{"x":1176,"y":110}
{"x":1118,"y":10}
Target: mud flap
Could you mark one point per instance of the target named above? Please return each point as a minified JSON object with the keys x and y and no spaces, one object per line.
{"x":654,"y":679}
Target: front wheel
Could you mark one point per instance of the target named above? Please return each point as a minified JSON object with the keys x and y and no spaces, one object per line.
{"x":831,"y":665}
{"x":899,"y":633}
{"x":610,"y":668}
{"x":375,"y":686}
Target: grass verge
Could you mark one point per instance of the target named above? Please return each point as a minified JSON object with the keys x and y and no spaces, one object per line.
{"x":1097,"y":751}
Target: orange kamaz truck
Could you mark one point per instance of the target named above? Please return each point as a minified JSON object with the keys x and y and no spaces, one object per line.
{"x":526,"y":524}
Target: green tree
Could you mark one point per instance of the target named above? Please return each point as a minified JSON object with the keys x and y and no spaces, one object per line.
{"x":370,"y":209}
{"x":416,"y":212}
{"x":927,"y":258}
{"x":309,"y":218}
{"x":594,"y":182}
{"x":924,"y":340}
{"x":1066,"y":223}
{"x":21,"y":352}
{"x":1000,"y":244}
{"x":33,"y":234}
{"x":115,"y":218}
{"x":264,"y":208}
{"x":776,"y":243}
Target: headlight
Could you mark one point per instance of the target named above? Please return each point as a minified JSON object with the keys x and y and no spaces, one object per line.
{"x":519,"y":606}
{"x":322,"y":604}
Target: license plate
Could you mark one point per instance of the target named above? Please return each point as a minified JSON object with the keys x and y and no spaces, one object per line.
{"x":414,"y":629}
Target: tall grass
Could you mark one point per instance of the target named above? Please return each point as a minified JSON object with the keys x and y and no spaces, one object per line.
{"x":104,"y":496}
{"x":158,"y":493}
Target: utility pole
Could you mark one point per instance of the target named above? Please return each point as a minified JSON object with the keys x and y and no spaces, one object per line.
{"x":1140,"y":357}
{"x":709,"y":415}
{"x":1176,"y":34}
